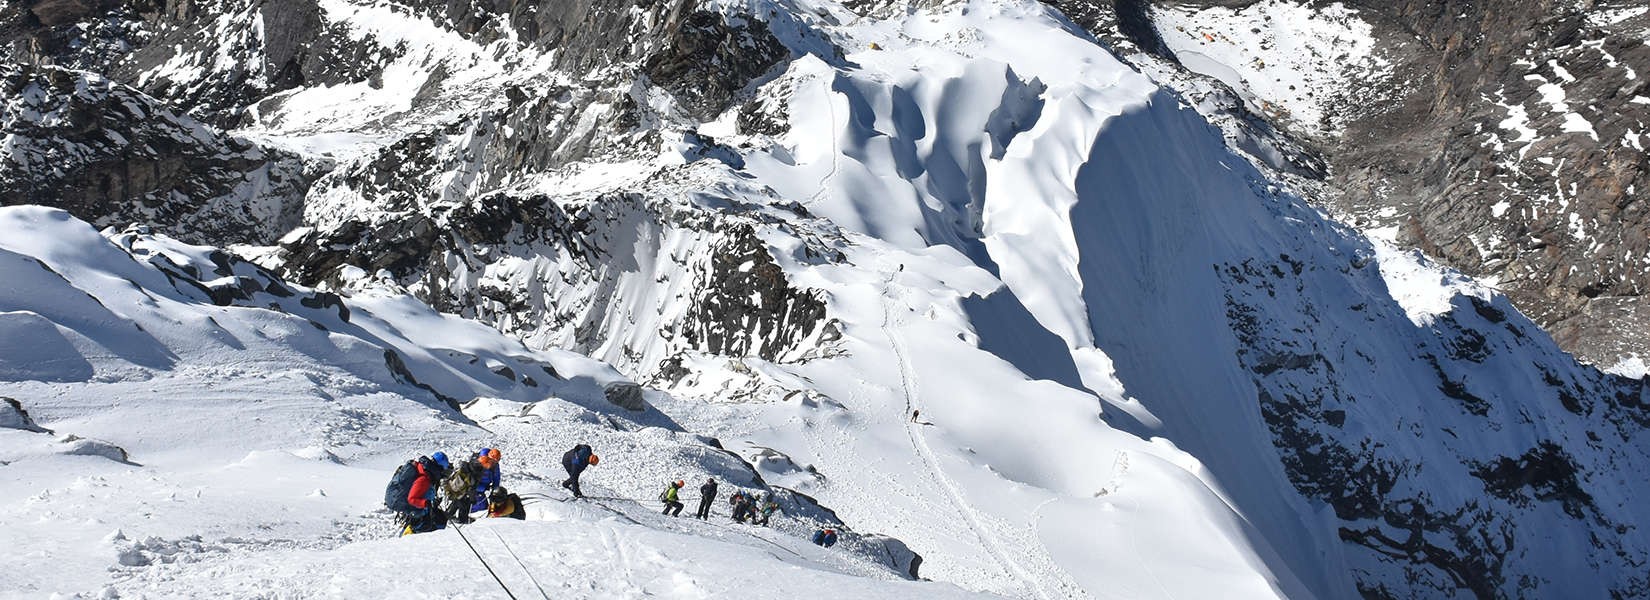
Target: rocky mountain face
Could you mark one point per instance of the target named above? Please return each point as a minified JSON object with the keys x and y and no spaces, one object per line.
{"x":404,"y":207}
{"x":1518,"y":153}
{"x":87,"y":144}
{"x":631,"y":181}
{"x":1506,"y":138}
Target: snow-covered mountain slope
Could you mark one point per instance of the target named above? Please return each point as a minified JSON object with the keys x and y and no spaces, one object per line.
{"x":186,"y":423}
{"x":1143,"y":367}
{"x":1504,"y":137}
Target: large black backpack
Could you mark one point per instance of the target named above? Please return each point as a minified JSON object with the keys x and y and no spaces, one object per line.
{"x":395,"y":494}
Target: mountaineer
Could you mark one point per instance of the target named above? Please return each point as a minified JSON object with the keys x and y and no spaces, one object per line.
{"x":411,"y":493}
{"x":673,"y":502}
{"x":707,"y":493}
{"x":488,"y":459}
{"x":576,"y":461}
{"x":502,"y":503}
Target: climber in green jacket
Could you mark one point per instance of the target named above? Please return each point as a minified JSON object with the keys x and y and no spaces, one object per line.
{"x":673,"y":504}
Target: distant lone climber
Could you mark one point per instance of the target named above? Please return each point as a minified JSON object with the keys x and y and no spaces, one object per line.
{"x":914,"y":415}
{"x":825,"y":537}
{"x":672,"y":500}
{"x":707,"y":493}
{"x":575,"y":461}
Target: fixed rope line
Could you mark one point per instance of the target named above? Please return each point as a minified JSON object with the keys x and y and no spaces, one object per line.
{"x":524,"y":569}
{"x":460,"y":530}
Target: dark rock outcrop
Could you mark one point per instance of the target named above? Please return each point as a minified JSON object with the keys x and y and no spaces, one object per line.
{"x":738,"y":300}
{"x":111,"y":155}
{"x":13,"y":416}
{"x":1558,"y":218}
{"x":708,"y":61}
{"x":1341,"y":448}
{"x":749,"y":308}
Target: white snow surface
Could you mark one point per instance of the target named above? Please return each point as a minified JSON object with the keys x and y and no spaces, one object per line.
{"x":210,"y":451}
{"x":1044,"y":252}
{"x":1287,"y":59}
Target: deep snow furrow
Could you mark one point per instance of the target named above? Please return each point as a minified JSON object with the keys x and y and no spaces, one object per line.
{"x":908,"y":386}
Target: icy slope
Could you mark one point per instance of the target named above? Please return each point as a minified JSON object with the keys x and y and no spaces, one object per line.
{"x":562,"y":551}
{"x":1143,"y":369}
{"x":954,"y":189}
{"x":204,"y":428}
{"x":1141,"y":260}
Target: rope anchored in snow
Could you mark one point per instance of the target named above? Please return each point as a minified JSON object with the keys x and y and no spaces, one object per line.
{"x":460,"y":530}
{"x":524,"y":568}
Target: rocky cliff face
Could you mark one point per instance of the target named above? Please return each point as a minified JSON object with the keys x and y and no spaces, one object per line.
{"x":1506,"y":138}
{"x":1518,"y":153}
{"x":103,"y":150}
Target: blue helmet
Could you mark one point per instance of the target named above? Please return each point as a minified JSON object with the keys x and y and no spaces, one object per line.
{"x":440,"y":458}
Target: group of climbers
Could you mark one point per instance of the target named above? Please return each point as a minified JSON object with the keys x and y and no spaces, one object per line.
{"x":747,"y":507}
{"x":754,"y":509}
{"x":431,"y":491}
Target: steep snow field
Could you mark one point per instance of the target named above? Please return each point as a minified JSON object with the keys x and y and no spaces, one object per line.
{"x":203,"y":449}
{"x":1009,"y":187}
{"x":1143,"y":369}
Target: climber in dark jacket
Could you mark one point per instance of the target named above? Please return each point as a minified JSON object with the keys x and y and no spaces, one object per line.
{"x":575,"y":461}
{"x":707,"y":493}
{"x":742,"y":505}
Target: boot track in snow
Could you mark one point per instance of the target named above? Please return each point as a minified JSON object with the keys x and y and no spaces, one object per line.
{"x":908,"y":387}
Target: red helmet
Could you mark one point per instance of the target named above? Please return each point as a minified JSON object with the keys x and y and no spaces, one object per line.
{"x":680,"y":483}
{"x":594,"y":459}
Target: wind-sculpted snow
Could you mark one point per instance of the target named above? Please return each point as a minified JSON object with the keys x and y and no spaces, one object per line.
{"x":1119,"y":220}
{"x":953,"y":269}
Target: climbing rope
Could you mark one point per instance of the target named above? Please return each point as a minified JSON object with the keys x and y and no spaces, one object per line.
{"x":524,"y":569}
{"x":460,"y":530}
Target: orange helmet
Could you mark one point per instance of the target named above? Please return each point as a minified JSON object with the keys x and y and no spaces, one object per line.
{"x":594,"y":459}
{"x":495,"y":455}
{"x":680,"y":483}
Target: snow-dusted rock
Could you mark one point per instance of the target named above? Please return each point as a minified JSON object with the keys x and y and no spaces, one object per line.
{"x":13,"y":416}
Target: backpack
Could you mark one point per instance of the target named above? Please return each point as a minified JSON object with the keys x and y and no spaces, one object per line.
{"x":665,"y":495}
{"x":462,"y":482}
{"x":578,"y":457}
{"x":395,"y":494}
